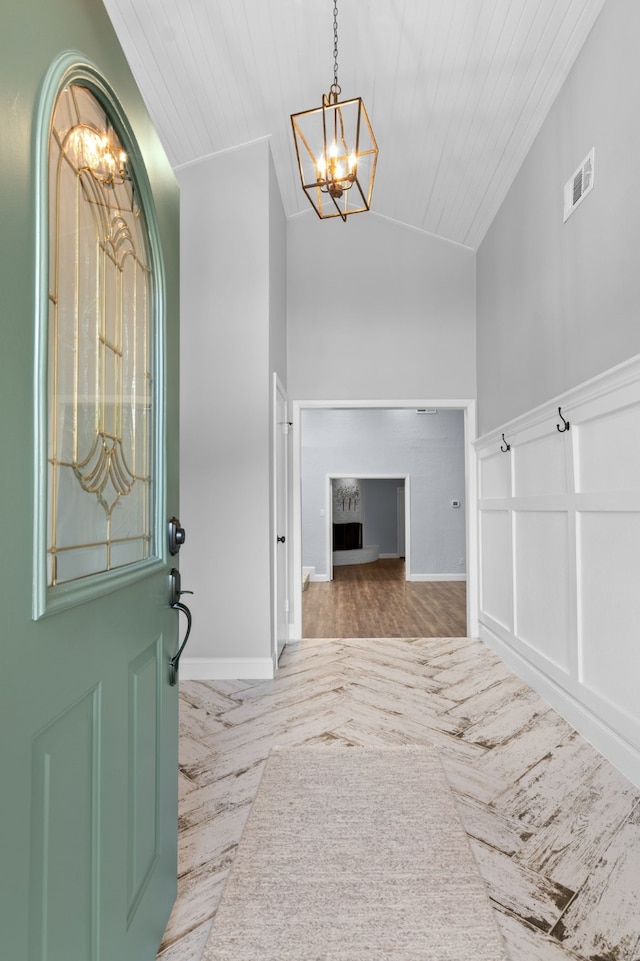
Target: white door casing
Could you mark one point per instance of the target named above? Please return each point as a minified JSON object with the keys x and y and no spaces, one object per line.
{"x":281,"y":539}
{"x":469,"y":408}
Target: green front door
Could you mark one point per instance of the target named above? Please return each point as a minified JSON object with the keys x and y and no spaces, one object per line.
{"x":88,"y":481}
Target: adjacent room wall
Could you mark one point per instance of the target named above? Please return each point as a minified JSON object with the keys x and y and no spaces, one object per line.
{"x":380,"y":499}
{"x":233,"y":321}
{"x":558,"y":303}
{"x":361,"y":442}
{"x":378,"y":311}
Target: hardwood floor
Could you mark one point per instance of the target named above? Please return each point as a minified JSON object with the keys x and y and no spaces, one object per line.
{"x":554,"y":827}
{"x":375,"y":600}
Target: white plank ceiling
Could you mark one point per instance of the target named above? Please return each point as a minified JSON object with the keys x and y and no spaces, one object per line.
{"x":456,"y":90}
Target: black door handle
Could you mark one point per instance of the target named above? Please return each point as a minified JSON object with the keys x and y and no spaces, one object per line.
{"x":281,"y":540}
{"x":174,"y":599}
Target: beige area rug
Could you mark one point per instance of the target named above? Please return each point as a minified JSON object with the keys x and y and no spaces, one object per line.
{"x":354,"y":854}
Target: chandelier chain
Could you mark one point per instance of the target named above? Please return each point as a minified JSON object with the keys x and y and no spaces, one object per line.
{"x":335,"y":43}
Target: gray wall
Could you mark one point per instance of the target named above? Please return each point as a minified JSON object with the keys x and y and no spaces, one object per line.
{"x":381,"y":513}
{"x":558,"y":303}
{"x":354,"y":443}
{"x":277,"y":278}
{"x":232,"y":265}
{"x":378,"y":311}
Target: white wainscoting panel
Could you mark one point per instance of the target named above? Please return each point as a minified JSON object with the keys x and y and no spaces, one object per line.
{"x":496,"y":567}
{"x":559,"y":556}
{"x":610,"y":607}
{"x":539,"y":466}
{"x":607,"y":458}
{"x":495,"y":475}
{"x":543,"y":591}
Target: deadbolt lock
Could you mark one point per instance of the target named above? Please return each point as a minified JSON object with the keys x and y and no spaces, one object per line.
{"x":177,"y":535}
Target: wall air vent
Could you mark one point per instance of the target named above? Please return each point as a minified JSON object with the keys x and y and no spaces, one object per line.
{"x":578,"y":186}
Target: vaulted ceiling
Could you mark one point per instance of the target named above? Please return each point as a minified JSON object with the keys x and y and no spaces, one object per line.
{"x":456,"y":90}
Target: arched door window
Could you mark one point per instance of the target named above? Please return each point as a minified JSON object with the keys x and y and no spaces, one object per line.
{"x":100,"y":349}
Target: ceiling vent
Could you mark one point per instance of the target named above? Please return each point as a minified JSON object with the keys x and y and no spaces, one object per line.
{"x":578,"y":186}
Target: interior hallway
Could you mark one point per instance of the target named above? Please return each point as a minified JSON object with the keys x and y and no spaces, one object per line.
{"x":554,"y":827}
{"x":375,"y":600}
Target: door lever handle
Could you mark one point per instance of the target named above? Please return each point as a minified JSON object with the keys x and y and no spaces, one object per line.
{"x":175,"y":660}
{"x":176,"y":604}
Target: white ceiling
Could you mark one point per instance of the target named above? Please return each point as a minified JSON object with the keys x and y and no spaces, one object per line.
{"x":456,"y":90}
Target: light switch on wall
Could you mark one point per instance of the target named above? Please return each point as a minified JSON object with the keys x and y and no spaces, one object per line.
{"x":455,"y":503}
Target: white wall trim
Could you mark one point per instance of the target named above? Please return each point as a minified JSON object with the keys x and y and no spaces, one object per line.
{"x":469,"y":407}
{"x":598,"y":389}
{"x":426,"y":578}
{"x":471,"y":494}
{"x":615,"y":748}
{"x":226,"y":668}
{"x":558,"y":528}
{"x":279,"y":526}
{"x":218,"y":153}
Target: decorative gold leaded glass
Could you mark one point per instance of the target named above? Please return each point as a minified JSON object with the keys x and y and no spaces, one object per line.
{"x":100,"y":416}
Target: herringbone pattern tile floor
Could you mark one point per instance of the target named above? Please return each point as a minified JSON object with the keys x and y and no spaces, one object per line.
{"x":554,"y":827}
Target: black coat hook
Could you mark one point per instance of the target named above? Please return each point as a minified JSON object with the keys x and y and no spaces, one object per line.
{"x":504,"y":447}
{"x":567,"y":425}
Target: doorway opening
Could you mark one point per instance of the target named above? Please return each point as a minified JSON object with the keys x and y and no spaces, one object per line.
{"x":344,"y":464}
{"x":366,"y":519}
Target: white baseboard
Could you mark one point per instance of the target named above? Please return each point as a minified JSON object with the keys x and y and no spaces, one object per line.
{"x":226,"y":668}
{"x":385,"y":556}
{"x":608,"y":742}
{"x":437,"y":577}
{"x":319,"y":577}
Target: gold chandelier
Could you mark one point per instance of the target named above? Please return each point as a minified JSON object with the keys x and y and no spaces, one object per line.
{"x":336,"y":150}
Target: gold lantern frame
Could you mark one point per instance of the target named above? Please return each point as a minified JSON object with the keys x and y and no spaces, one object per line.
{"x":337,"y":155}
{"x":336,"y":150}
